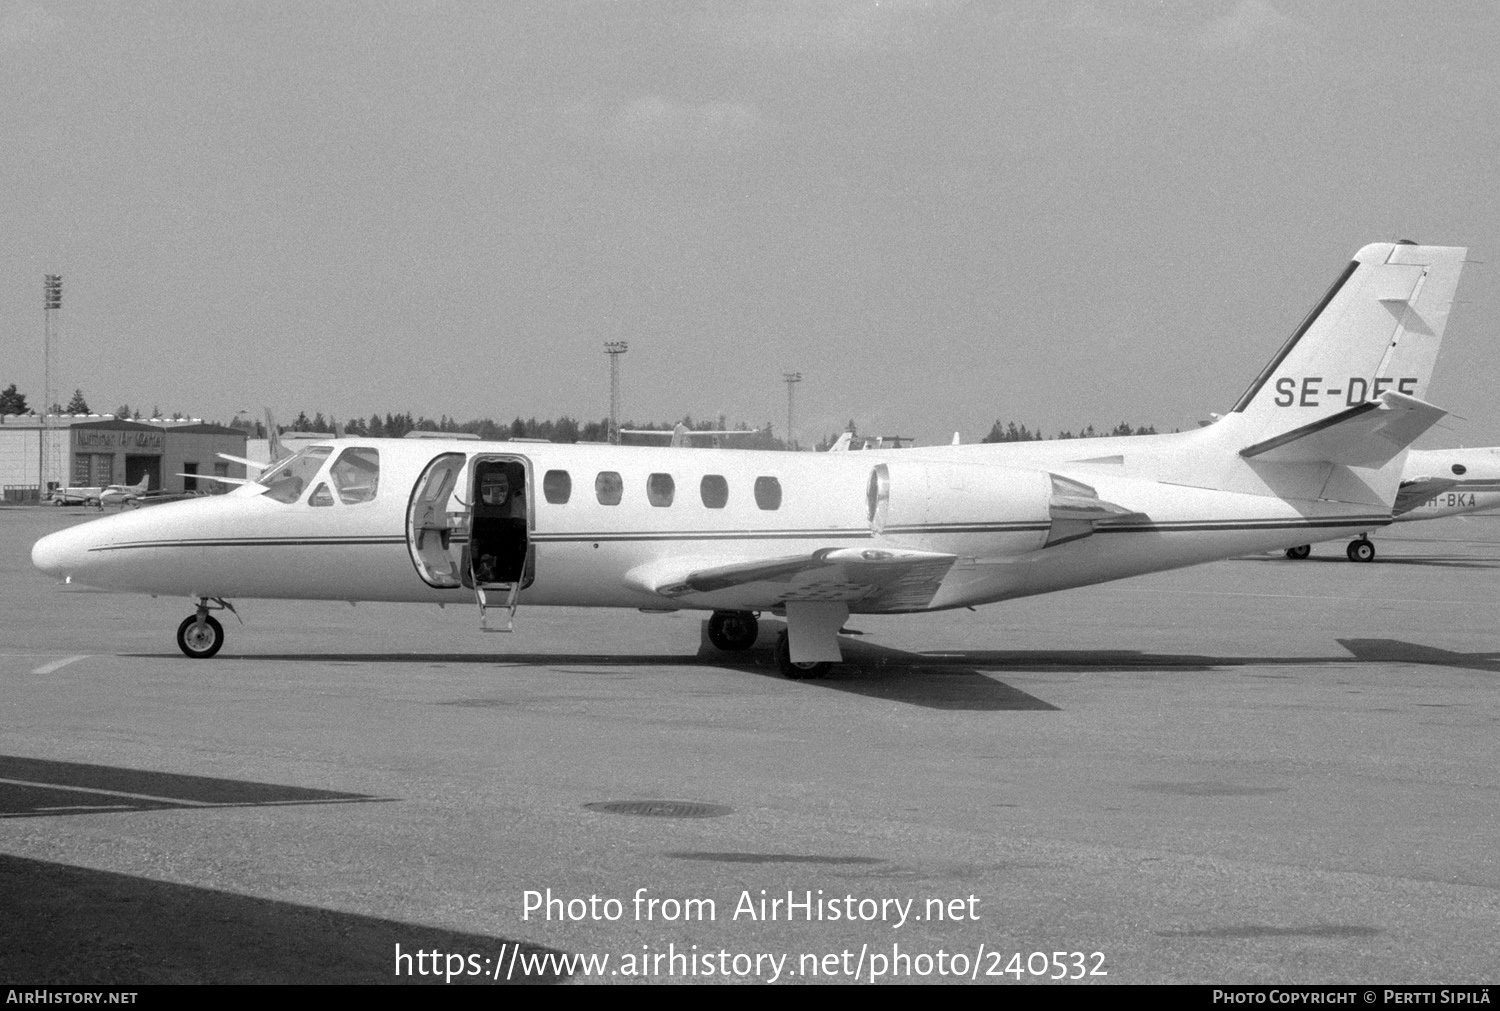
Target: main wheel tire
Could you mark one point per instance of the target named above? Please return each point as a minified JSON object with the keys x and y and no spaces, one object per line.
{"x":200,"y":642}
{"x":797,"y":671}
{"x":1299,"y":552}
{"x":733,"y":631}
{"x":1361,"y":551}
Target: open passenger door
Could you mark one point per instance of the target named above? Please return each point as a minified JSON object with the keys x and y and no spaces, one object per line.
{"x":435,"y":533}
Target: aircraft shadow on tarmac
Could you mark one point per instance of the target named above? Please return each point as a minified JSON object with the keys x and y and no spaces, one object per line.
{"x":39,"y":788}
{"x":956,"y":680}
{"x":1396,"y":651}
{"x":870,"y":670}
{"x":72,"y":925}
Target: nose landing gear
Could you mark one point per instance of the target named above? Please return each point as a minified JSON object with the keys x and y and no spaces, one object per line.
{"x":1299,"y":552}
{"x":200,"y":635}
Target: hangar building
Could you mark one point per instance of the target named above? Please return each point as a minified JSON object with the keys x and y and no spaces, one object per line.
{"x":98,"y":451}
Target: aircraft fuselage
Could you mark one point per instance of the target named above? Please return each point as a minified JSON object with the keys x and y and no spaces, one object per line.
{"x":984,"y":506}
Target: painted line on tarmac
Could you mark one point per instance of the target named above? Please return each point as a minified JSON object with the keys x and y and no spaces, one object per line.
{"x":1290,"y":596}
{"x":48,"y":668}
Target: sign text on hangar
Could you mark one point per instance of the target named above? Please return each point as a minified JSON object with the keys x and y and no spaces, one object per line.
{"x":106,"y":439}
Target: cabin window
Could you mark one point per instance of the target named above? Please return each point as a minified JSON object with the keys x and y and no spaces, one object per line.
{"x":768,"y":493}
{"x":321,"y":496}
{"x":1459,"y":468}
{"x":660,"y":488}
{"x":356,"y":475}
{"x":557,"y":486}
{"x":715,"y":491}
{"x":608,"y":487}
{"x":286,"y":481}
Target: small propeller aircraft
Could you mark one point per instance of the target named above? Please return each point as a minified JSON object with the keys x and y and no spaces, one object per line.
{"x":1435,"y":483}
{"x":124,"y":494}
{"x":114,"y":494}
{"x":1313,"y":449}
{"x":680,"y":436}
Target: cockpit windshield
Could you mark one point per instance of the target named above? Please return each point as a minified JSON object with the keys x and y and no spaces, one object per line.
{"x":287,"y":480}
{"x":356,"y":475}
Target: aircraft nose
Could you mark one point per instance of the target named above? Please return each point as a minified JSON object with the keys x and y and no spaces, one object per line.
{"x":61,"y":554}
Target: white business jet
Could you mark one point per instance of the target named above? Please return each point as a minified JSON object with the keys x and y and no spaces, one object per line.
{"x":1435,"y":483}
{"x":1314,"y":447}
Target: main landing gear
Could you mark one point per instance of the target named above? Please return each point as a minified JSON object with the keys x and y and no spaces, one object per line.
{"x":200,"y":635}
{"x":733,"y":631}
{"x":1360,"y":550}
{"x":797,"y":671}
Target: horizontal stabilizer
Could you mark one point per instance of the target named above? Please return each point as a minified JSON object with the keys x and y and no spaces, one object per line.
{"x":1365,"y":435}
{"x":887,"y":578}
{"x":1414,"y":493}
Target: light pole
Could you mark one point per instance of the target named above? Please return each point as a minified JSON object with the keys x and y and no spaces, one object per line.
{"x":51,"y":306}
{"x":614,"y":349}
{"x":791,"y":379}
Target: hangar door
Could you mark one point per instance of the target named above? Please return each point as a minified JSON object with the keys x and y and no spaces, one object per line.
{"x":137,"y":467}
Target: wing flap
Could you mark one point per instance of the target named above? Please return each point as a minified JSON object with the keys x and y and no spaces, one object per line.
{"x":878,"y":578}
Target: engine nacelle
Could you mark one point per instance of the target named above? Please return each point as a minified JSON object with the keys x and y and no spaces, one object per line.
{"x":930,"y":500}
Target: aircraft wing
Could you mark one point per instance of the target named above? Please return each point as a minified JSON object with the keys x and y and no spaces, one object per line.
{"x":1413,"y":493}
{"x":880,"y":579}
{"x":1366,"y":435}
{"x":220,"y":478}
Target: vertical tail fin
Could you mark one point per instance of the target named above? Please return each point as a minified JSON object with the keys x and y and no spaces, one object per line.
{"x":273,"y":440}
{"x":1377,"y":329}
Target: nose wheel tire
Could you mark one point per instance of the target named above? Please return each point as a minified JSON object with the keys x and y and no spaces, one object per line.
{"x":1361,"y":550}
{"x":1298,"y":553}
{"x":200,"y":641}
{"x":733,"y":631}
{"x":797,"y":671}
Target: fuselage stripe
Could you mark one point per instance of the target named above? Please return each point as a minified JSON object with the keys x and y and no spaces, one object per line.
{"x":1178,"y":526}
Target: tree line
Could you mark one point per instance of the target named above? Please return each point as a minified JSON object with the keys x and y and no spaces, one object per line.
{"x":1011,"y":432}
{"x":13,"y":401}
{"x":563,"y":429}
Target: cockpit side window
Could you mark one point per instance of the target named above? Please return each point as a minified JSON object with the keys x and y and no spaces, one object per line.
{"x":287,"y":480}
{"x":356,"y":475}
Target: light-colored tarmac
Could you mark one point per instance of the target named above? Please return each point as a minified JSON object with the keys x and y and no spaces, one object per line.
{"x":1253,"y":771}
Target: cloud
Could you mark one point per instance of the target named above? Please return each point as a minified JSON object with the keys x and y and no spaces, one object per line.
{"x":661,"y":126}
{"x":1248,"y":26}
{"x":1252,"y":23}
{"x":24,"y":26}
{"x":817,"y":25}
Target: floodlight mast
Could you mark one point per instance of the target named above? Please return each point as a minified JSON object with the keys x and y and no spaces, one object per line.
{"x":791,"y":379}
{"x":614,"y":349}
{"x":51,"y":307}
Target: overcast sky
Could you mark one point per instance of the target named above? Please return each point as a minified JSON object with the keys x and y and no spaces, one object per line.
{"x":940,"y":213}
